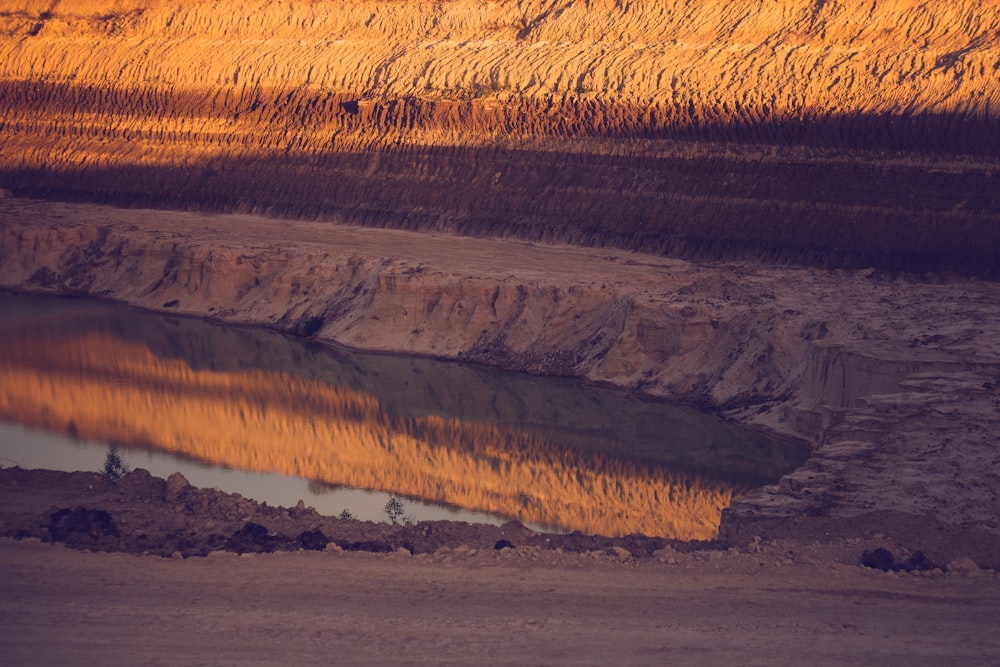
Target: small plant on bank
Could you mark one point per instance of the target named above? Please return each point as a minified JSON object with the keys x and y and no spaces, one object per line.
{"x":346,"y":514}
{"x":396,"y":511}
{"x":115,"y":466}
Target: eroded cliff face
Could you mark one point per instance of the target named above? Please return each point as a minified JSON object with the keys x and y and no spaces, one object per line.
{"x":834,"y":133}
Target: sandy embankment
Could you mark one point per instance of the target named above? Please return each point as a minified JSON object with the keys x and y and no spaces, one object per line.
{"x":893,"y":379}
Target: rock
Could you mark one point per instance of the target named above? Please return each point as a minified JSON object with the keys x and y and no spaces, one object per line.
{"x":621,"y":553}
{"x":176,"y":485}
{"x":919,"y":562}
{"x":252,"y":538}
{"x":313,"y":540}
{"x":87,"y":522}
{"x":879,"y":559}
{"x":503,"y":544}
{"x":963,"y":564}
{"x":177,"y":555}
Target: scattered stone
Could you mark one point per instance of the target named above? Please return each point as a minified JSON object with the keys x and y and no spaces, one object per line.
{"x":177,"y":555}
{"x":503,"y":544}
{"x":176,"y":485}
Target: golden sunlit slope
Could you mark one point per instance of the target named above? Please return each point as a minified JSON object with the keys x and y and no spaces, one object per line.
{"x":708,"y":59}
{"x":555,"y":120}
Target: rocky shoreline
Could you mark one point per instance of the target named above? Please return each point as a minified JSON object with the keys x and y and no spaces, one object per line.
{"x":143,"y":515}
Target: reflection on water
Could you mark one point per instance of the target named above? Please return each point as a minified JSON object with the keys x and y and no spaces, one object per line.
{"x":544,"y":451}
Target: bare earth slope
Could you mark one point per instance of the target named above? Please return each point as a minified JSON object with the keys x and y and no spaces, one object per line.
{"x":843,"y":132}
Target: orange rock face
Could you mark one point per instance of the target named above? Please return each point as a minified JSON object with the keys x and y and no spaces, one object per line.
{"x":672,"y":126}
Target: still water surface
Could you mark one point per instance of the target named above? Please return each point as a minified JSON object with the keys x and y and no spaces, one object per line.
{"x":276,"y":419}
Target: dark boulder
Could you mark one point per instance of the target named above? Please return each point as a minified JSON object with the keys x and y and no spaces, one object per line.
{"x":313,"y":540}
{"x":81,"y":521}
{"x":879,"y":559}
{"x":918,"y":561}
{"x":252,"y":538}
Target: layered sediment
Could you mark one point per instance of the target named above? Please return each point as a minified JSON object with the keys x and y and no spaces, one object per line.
{"x":840,"y":133}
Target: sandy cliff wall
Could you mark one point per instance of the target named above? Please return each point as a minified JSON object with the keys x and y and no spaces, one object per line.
{"x":691,"y":128}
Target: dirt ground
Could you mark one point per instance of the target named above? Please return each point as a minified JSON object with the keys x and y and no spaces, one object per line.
{"x":487,"y":607}
{"x":108,"y":573}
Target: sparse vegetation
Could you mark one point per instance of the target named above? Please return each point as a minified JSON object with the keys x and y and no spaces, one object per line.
{"x":346,"y":514}
{"x":395,"y":509}
{"x":115,"y":466}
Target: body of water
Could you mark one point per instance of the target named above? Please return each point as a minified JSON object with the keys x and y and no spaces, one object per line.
{"x":277,"y":419}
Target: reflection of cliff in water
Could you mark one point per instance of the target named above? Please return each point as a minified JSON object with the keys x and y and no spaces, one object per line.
{"x":546,"y":451}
